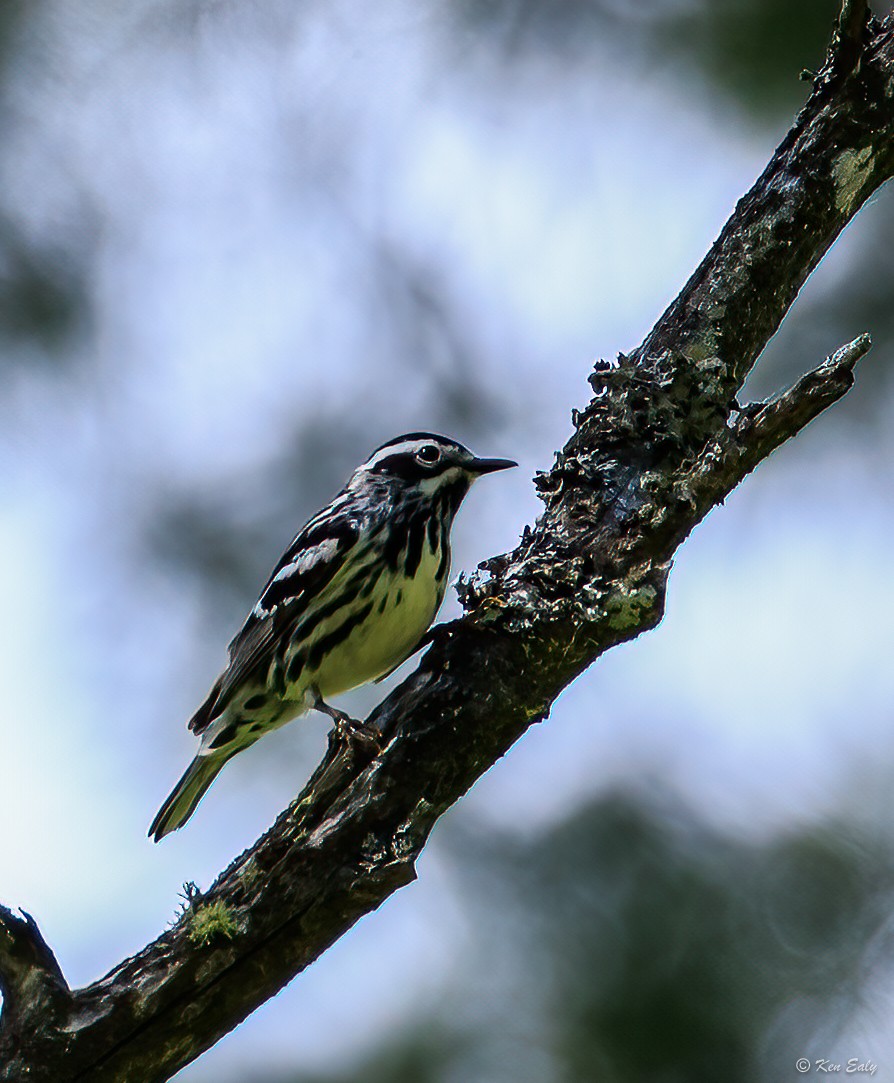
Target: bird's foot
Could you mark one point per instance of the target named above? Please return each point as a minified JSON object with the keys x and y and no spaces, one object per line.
{"x":348,"y":730}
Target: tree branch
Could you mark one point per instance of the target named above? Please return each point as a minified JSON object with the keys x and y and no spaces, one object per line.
{"x":34,"y":990}
{"x":660,"y":443}
{"x":761,"y":428}
{"x":850,"y":37}
{"x":760,"y":432}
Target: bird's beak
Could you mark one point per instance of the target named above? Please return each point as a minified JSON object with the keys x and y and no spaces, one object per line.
{"x":488,"y":466}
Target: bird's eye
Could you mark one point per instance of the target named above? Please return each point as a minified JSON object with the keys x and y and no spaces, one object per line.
{"x":428,"y":453}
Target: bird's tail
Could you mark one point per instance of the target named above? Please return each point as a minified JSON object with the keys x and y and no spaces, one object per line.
{"x":186,"y":795}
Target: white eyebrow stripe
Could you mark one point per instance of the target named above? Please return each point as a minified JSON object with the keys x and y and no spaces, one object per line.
{"x":407,"y":447}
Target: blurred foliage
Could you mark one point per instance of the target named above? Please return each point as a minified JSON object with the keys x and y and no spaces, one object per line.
{"x":431,"y":329}
{"x":635,"y":946}
{"x":753,"y":50}
{"x":42,"y":295}
{"x":11,"y":14}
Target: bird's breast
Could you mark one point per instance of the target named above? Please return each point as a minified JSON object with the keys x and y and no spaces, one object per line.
{"x":386,"y":618}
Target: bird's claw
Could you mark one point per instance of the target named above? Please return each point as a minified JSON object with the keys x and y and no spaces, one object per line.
{"x":347,"y":730}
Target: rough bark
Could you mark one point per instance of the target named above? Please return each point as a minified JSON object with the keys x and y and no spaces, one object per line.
{"x":661,"y":442}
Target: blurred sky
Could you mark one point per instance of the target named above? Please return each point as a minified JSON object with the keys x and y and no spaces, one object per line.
{"x":243,"y":243}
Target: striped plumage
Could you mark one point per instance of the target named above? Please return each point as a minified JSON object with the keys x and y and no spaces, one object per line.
{"x":348,"y":601}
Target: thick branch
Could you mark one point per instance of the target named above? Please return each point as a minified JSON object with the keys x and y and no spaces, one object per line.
{"x":659,"y":444}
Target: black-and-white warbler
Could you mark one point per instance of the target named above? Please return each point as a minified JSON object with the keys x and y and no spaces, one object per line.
{"x":349,"y":600}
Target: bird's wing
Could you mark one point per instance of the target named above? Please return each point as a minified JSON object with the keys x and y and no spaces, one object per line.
{"x":318,"y":552}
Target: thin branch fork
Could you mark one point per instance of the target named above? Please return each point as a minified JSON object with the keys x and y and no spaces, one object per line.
{"x":763,"y":427}
{"x":759,"y":432}
{"x":661,"y":442}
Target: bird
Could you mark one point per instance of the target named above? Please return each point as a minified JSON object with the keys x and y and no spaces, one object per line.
{"x":351,"y":598}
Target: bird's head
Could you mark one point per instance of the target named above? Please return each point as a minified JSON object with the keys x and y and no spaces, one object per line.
{"x":429,"y":464}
